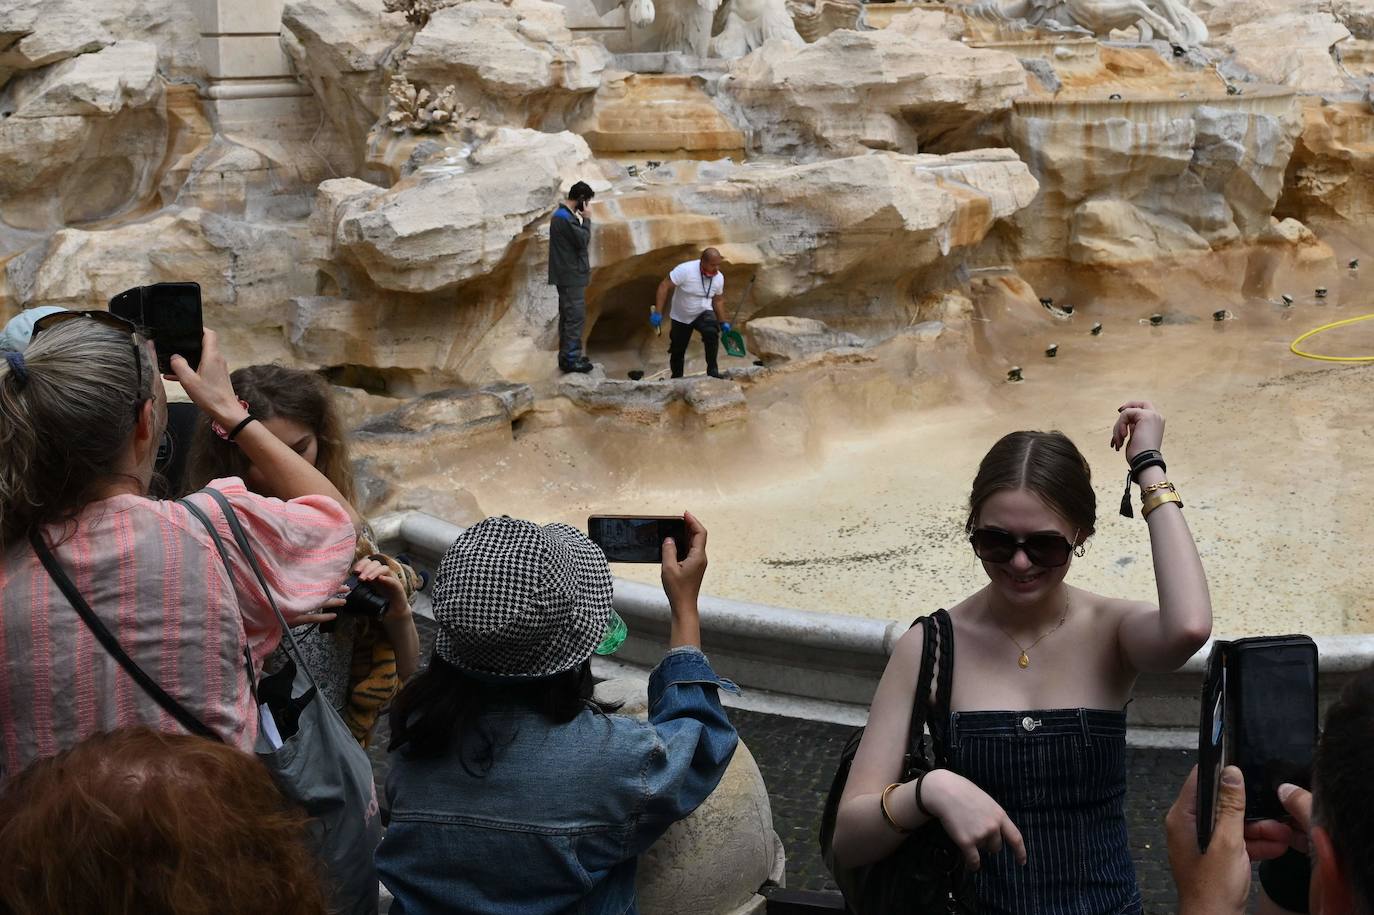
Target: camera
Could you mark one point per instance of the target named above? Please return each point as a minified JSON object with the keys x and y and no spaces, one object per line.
{"x":363,"y":599}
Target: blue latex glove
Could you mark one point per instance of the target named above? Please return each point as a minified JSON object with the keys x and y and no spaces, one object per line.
{"x":655,"y":319}
{"x":725,"y":326}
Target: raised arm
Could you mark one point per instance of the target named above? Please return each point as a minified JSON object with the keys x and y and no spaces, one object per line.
{"x":1159,"y":639}
{"x":292,"y":476}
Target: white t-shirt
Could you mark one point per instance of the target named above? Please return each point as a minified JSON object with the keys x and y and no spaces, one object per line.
{"x":693,"y":291}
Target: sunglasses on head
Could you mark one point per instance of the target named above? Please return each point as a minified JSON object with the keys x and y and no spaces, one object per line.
{"x":1045,"y":550}
{"x":47,"y":322}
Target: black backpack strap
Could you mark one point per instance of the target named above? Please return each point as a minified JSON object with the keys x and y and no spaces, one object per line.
{"x":915,"y":761}
{"x":190,"y":722}
{"x":939,"y":724}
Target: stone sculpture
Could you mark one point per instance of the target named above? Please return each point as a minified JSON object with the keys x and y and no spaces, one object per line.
{"x":749,"y":23}
{"x":1170,"y":19}
{"x":814,"y":19}
{"x":687,"y":26}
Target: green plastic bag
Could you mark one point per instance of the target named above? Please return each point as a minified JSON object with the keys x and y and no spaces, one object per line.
{"x":734,"y":343}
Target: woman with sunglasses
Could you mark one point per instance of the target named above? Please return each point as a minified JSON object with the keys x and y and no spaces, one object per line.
{"x":82,"y":411}
{"x":1032,"y":791}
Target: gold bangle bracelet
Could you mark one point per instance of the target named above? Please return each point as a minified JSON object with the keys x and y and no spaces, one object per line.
{"x":1157,"y":486}
{"x":1156,"y":500}
{"x":887,"y":814}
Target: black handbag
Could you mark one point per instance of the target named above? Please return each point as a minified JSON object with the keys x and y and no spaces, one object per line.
{"x":925,"y":875}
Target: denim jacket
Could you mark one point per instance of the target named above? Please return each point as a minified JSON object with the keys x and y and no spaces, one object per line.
{"x":558,"y":822}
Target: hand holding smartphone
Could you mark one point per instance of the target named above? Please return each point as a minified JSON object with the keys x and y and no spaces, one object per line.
{"x":638,"y":538}
{"x":169,"y":314}
{"x":1259,"y":712}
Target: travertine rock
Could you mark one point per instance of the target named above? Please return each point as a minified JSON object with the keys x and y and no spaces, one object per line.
{"x":786,"y":338}
{"x":1131,"y":181}
{"x":426,"y":438}
{"x":518,"y":56}
{"x":85,"y":137}
{"x":345,"y":49}
{"x":1331,"y":178}
{"x":1301,"y":242}
{"x":433,"y":231}
{"x":716,"y":859}
{"x":847,"y":241}
{"x":246,"y":272}
{"x":666,"y":116}
{"x":515,"y":63}
{"x":670,"y":402}
{"x":122,"y":75}
{"x":34,"y":35}
{"x":1291,"y":49}
{"x":855,"y":91}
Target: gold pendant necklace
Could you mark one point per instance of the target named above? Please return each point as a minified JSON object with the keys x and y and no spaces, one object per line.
{"x":1023,"y":660}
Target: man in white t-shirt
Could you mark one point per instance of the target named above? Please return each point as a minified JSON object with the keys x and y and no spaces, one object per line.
{"x":698,"y":289}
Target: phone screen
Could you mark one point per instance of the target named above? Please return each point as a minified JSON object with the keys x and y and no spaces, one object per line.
{"x":1275,"y":733}
{"x":625,"y":538}
{"x":170,"y":315}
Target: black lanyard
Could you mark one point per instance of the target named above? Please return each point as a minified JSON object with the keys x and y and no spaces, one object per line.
{"x":707,"y":284}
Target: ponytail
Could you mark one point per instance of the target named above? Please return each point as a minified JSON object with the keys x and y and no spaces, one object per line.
{"x":67,"y":411}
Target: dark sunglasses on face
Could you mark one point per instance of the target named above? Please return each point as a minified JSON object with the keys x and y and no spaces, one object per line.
{"x":1045,"y":550}
{"x":47,"y":322}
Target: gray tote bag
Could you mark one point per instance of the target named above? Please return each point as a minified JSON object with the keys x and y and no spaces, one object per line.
{"x":318,"y":764}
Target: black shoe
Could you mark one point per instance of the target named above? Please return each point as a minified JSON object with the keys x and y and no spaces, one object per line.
{"x":581,"y":366}
{"x":715,"y":374}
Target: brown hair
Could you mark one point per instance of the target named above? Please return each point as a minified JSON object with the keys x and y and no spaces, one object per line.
{"x":1047,"y":464}
{"x":276,"y":391}
{"x":135,"y":821}
{"x":65,"y":425}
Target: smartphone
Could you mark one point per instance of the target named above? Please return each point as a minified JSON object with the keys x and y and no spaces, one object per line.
{"x":169,"y":314}
{"x":631,"y":538}
{"x":1259,"y":712}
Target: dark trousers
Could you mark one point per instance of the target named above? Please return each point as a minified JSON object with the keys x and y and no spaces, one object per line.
{"x":679,"y":335}
{"x":572,"y":317}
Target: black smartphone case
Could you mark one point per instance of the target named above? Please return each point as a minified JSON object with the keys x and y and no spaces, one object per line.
{"x":1230,"y":742}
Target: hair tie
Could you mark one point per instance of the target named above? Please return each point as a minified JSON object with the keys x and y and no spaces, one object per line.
{"x":18,"y":367}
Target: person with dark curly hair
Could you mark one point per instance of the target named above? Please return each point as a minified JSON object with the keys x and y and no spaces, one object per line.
{"x":137,"y":822}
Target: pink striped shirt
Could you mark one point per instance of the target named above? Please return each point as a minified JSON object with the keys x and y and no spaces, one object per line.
{"x":152,"y":574}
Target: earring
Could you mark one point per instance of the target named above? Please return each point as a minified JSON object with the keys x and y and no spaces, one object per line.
{"x":1080,"y":551}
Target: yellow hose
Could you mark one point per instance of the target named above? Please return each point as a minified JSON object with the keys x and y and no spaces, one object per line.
{"x":1334,"y":324}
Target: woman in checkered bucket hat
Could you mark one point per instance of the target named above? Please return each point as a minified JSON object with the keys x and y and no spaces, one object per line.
{"x":511,"y":788}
